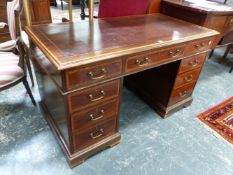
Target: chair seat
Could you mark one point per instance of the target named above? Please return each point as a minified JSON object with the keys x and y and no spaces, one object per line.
{"x":8,"y":45}
{"x":10,"y":71}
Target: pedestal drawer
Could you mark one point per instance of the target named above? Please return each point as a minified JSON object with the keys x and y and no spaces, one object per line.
{"x":93,"y":96}
{"x":187,"y":78}
{"x":192,"y":62}
{"x":94,"y":115}
{"x":93,"y":135}
{"x":181,"y":94}
{"x":90,"y":74}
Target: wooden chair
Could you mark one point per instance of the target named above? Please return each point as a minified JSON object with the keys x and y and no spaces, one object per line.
{"x":227,"y":41}
{"x":40,"y":14}
{"x":110,"y":8}
{"x":11,"y":44}
{"x":12,"y":66}
{"x":229,"y":49}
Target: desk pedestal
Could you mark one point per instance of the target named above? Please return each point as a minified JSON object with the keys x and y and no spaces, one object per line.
{"x":168,"y":88}
{"x":86,"y":120}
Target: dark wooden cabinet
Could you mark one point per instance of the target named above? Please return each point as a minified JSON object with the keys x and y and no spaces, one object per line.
{"x":219,"y":20}
{"x":3,"y":8}
{"x":4,"y":33}
{"x":40,"y":11}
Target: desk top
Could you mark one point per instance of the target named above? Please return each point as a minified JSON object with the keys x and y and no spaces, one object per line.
{"x":73,"y":44}
{"x":202,"y":6}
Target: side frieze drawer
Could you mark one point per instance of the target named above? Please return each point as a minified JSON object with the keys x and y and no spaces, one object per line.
{"x":79,"y":77}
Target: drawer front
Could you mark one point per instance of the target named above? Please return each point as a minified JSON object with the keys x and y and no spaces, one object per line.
{"x":78,"y":77}
{"x":173,"y":53}
{"x":94,"y":95}
{"x":187,"y":78}
{"x":141,"y":62}
{"x":94,"y":115}
{"x":199,"y":46}
{"x":192,"y":63}
{"x":181,"y":94}
{"x":93,"y":135}
{"x":145,"y":61}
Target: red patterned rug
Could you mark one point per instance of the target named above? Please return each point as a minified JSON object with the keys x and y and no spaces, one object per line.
{"x":220,"y":119}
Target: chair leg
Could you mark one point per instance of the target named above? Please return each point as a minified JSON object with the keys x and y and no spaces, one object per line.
{"x":25,"y":83}
{"x":211,"y":53}
{"x":231,"y":69}
{"x":225,"y":54}
{"x":30,"y":70}
{"x":62,"y":4}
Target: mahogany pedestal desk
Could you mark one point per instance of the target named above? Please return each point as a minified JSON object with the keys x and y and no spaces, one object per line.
{"x":80,"y":69}
{"x":220,"y":19}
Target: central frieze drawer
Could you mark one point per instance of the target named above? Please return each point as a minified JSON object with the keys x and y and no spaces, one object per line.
{"x":93,"y":135}
{"x":94,"y":115}
{"x":94,"y":95}
{"x":172,"y":53}
{"x":141,"y":62}
{"x":90,"y":74}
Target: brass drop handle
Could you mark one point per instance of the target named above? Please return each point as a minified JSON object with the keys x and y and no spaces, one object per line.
{"x":143,"y":62}
{"x":183,"y":94}
{"x":99,"y":97}
{"x":101,"y":75}
{"x":175,"y":53}
{"x":193,"y":63}
{"x":188,"y":78}
{"x":97,"y":134}
{"x":97,"y":117}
